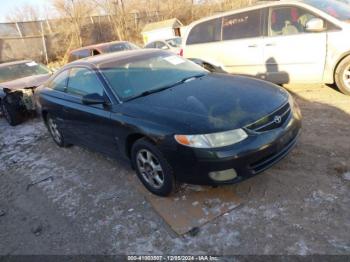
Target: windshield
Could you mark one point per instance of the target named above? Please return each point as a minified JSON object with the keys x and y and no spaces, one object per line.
{"x":147,"y":73}
{"x":334,"y":8}
{"x":117,"y":47}
{"x":174,"y":42}
{"x":17,"y":71}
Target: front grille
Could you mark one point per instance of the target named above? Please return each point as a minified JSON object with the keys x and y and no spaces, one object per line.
{"x":271,"y":121}
{"x":268,"y":161}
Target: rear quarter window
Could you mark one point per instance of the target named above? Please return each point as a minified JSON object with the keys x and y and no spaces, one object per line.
{"x":150,"y":45}
{"x":206,"y":32}
{"x":59,"y":83}
{"x":75,"y":55}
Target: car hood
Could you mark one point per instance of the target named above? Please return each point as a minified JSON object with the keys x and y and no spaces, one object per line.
{"x":213,"y":103}
{"x":28,"y":81}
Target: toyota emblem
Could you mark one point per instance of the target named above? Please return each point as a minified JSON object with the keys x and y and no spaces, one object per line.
{"x":278,"y":119}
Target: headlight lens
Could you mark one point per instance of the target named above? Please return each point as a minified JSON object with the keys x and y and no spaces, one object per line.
{"x":295,"y":107}
{"x":291,"y":100}
{"x":212,"y":140}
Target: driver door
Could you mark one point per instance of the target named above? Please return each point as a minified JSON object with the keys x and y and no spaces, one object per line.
{"x":90,"y":125}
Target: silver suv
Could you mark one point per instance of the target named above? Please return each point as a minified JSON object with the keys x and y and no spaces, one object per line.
{"x":281,"y":41}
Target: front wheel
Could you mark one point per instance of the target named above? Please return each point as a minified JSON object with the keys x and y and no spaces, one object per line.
{"x":342,"y":76}
{"x":152,"y":168}
{"x":11,"y":113}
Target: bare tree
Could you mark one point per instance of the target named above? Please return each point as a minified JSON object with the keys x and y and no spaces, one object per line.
{"x":75,"y":12}
{"x":23,"y":13}
{"x":117,"y":13}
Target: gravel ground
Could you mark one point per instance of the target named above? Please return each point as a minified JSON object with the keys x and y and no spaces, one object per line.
{"x":73,"y":201}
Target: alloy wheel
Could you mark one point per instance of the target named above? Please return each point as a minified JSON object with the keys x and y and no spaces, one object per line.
{"x":150,"y":168}
{"x":5,"y":112}
{"x":54,"y":131}
{"x":346,"y":77}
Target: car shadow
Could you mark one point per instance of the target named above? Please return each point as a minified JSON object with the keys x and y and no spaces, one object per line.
{"x":271,"y":74}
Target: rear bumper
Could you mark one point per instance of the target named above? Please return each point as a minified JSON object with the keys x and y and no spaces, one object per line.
{"x":249,"y":157}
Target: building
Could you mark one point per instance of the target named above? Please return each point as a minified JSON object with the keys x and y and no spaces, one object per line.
{"x":161,"y":30}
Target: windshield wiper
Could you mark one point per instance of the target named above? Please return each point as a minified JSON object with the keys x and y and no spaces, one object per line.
{"x":156,"y":90}
{"x":148,"y":92}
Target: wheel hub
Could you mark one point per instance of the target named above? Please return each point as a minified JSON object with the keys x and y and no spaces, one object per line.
{"x":148,"y":169}
{"x":54,"y":131}
{"x":346,"y":77}
{"x":5,"y":112}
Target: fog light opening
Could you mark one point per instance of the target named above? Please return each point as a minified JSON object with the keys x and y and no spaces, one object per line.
{"x":225,"y":175}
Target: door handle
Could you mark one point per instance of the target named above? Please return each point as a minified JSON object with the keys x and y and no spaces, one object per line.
{"x":271,"y":44}
{"x":253,"y":46}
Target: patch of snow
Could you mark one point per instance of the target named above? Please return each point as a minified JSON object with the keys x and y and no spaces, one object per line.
{"x":299,"y":248}
{"x":346,"y":176}
{"x":318,"y":197}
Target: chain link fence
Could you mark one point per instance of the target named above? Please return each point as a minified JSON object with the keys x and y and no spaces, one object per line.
{"x":47,"y":40}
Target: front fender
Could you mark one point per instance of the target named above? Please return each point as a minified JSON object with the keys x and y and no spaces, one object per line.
{"x":2,"y":93}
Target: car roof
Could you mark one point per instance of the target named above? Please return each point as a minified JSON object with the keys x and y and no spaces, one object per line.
{"x":97,"y":45}
{"x":257,"y":5}
{"x":111,"y":57}
{"x":165,"y":39}
{"x":15,"y":63}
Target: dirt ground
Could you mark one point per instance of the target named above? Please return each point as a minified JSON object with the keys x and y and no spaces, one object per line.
{"x":86,"y":205}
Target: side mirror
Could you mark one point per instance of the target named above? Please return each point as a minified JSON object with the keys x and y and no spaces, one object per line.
{"x":315,"y":25}
{"x":93,"y":99}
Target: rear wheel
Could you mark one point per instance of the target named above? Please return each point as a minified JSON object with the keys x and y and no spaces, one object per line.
{"x":342,"y":76}
{"x":54,"y":131}
{"x":11,"y":113}
{"x":152,"y":168}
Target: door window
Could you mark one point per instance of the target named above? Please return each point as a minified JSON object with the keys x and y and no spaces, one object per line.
{"x":151,"y":45}
{"x":95,"y":52}
{"x":59,"y":83}
{"x":288,"y":20}
{"x":206,"y":32}
{"x":161,"y":45}
{"x":240,"y":26}
{"x":83,"y":81}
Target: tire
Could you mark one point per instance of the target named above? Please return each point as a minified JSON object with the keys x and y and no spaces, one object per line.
{"x":12,"y":115}
{"x":55,"y":131}
{"x":342,"y":76}
{"x":152,"y":168}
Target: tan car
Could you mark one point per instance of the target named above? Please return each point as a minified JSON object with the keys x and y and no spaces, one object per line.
{"x":281,"y":41}
{"x":98,"y":49}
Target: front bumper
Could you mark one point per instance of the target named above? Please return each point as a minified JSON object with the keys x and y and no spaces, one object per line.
{"x":250,"y":157}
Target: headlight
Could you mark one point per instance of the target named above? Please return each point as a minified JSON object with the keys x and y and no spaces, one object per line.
{"x":291,"y":100}
{"x":294,"y":106}
{"x":212,"y":140}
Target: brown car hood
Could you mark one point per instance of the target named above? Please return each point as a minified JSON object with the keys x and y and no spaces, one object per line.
{"x":28,"y":81}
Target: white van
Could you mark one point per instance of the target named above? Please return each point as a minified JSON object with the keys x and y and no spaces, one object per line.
{"x":280,"y":41}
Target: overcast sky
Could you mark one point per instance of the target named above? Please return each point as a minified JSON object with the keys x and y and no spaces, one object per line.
{"x":8,"y":5}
